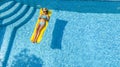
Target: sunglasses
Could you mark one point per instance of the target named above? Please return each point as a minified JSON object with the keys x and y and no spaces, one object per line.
{"x":44,"y":11}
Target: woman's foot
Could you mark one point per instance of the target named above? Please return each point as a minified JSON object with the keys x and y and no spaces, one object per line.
{"x":34,"y":41}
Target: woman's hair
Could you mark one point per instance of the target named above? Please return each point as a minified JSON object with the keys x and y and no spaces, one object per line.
{"x":45,"y":9}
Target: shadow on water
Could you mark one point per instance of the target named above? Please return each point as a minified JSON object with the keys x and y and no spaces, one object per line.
{"x":17,"y":18}
{"x":10,"y":45}
{"x":76,"y":5}
{"x":2,"y":32}
{"x":4,"y":1}
{"x":8,"y":7}
{"x":12,"y":13}
{"x":58,"y":34}
{"x":3,"y":26}
{"x":25,"y":59}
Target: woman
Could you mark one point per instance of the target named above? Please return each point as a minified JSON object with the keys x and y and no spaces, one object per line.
{"x":43,"y":18}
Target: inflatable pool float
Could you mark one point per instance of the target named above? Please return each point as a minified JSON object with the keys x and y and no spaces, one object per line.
{"x":42,"y":31}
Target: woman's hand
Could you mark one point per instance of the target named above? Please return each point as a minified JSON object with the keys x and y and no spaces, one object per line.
{"x":48,"y":17}
{"x":40,"y":16}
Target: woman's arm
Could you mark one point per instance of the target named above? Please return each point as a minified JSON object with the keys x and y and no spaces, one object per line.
{"x":48,"y":18}
{"x":40,"y":16}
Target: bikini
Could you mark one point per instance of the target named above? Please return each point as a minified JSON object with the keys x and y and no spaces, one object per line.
{"x":43,"y":17}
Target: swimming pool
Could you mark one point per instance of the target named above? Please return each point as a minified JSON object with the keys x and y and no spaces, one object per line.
{"x":84,"y":34}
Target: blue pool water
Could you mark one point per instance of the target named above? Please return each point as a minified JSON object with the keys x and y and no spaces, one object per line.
{"x":86,"y":36}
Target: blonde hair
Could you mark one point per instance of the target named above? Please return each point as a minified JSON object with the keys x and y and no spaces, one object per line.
{"x":45,"y":9}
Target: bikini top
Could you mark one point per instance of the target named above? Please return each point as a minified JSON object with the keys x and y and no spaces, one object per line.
{"x":44,"y":17}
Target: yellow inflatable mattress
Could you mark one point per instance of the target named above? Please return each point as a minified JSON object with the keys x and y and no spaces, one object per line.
{"x":42,"y":31}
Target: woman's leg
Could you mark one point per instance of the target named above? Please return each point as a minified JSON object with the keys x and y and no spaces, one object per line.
{"x":39,"y":31}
